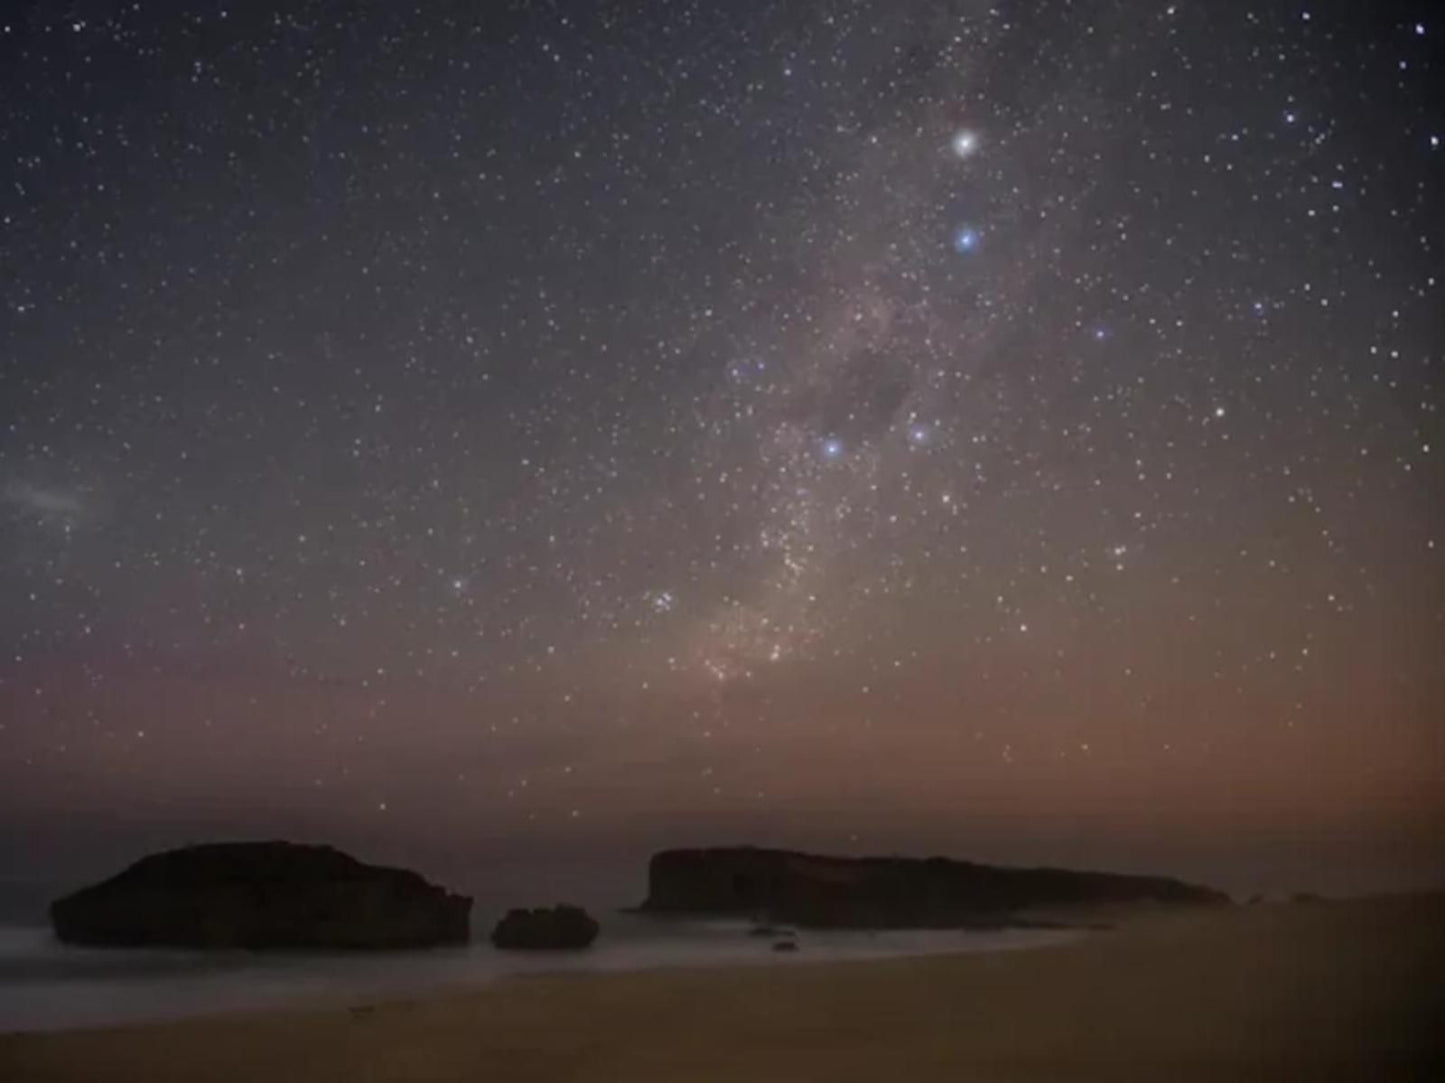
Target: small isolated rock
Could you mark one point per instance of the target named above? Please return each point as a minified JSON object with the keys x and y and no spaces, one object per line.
{"x":772,"y":932}
{"x":562,"y":927}
{"x":785,"y":945}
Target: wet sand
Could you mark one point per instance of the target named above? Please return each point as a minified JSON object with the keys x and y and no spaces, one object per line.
{"x":1315,"y":991}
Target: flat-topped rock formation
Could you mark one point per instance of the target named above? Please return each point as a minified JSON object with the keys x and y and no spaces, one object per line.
{"x":262,"y":895}
{"x":886,"y":892}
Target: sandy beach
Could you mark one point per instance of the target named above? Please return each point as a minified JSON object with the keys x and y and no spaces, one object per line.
{"x":1334,"y":990}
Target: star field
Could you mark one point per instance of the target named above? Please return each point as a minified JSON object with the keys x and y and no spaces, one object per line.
{"x":1011,"y":430}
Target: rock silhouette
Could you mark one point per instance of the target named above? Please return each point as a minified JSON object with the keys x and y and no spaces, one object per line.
{"x":882,"y":892}
{"x":542,"y":929}
{"x":262,"y":895}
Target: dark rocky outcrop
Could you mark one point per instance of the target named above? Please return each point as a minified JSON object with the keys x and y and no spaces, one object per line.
{"x":262,"y":895}
{"x":880,"y":892}
{"x":543,"y":929}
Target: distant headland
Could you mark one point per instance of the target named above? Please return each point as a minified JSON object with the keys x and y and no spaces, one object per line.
{"x":887,"y":892}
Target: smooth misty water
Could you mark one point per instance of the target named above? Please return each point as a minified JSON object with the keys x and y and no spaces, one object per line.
{"x":47,"y":985}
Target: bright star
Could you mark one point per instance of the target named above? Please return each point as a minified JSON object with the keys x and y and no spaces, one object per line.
{"x":964,"y":143}
{"x":966,"y":240}
{"x":832,"y":448}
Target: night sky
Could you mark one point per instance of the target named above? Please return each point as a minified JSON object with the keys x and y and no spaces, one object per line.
{"x":509,"y":437}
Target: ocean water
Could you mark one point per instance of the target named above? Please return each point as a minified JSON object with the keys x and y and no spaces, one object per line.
{"x":46,"y":985}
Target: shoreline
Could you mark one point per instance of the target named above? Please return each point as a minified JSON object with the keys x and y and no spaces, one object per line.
{"x":92,"y":988}
{"x":1280,"y":991}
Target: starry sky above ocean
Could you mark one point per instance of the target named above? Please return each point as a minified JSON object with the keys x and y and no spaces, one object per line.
{"x":1011,"y":430}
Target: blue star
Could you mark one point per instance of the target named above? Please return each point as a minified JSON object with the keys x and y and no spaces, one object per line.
{"x":966,"y":240}
{"x":832,"y":448}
